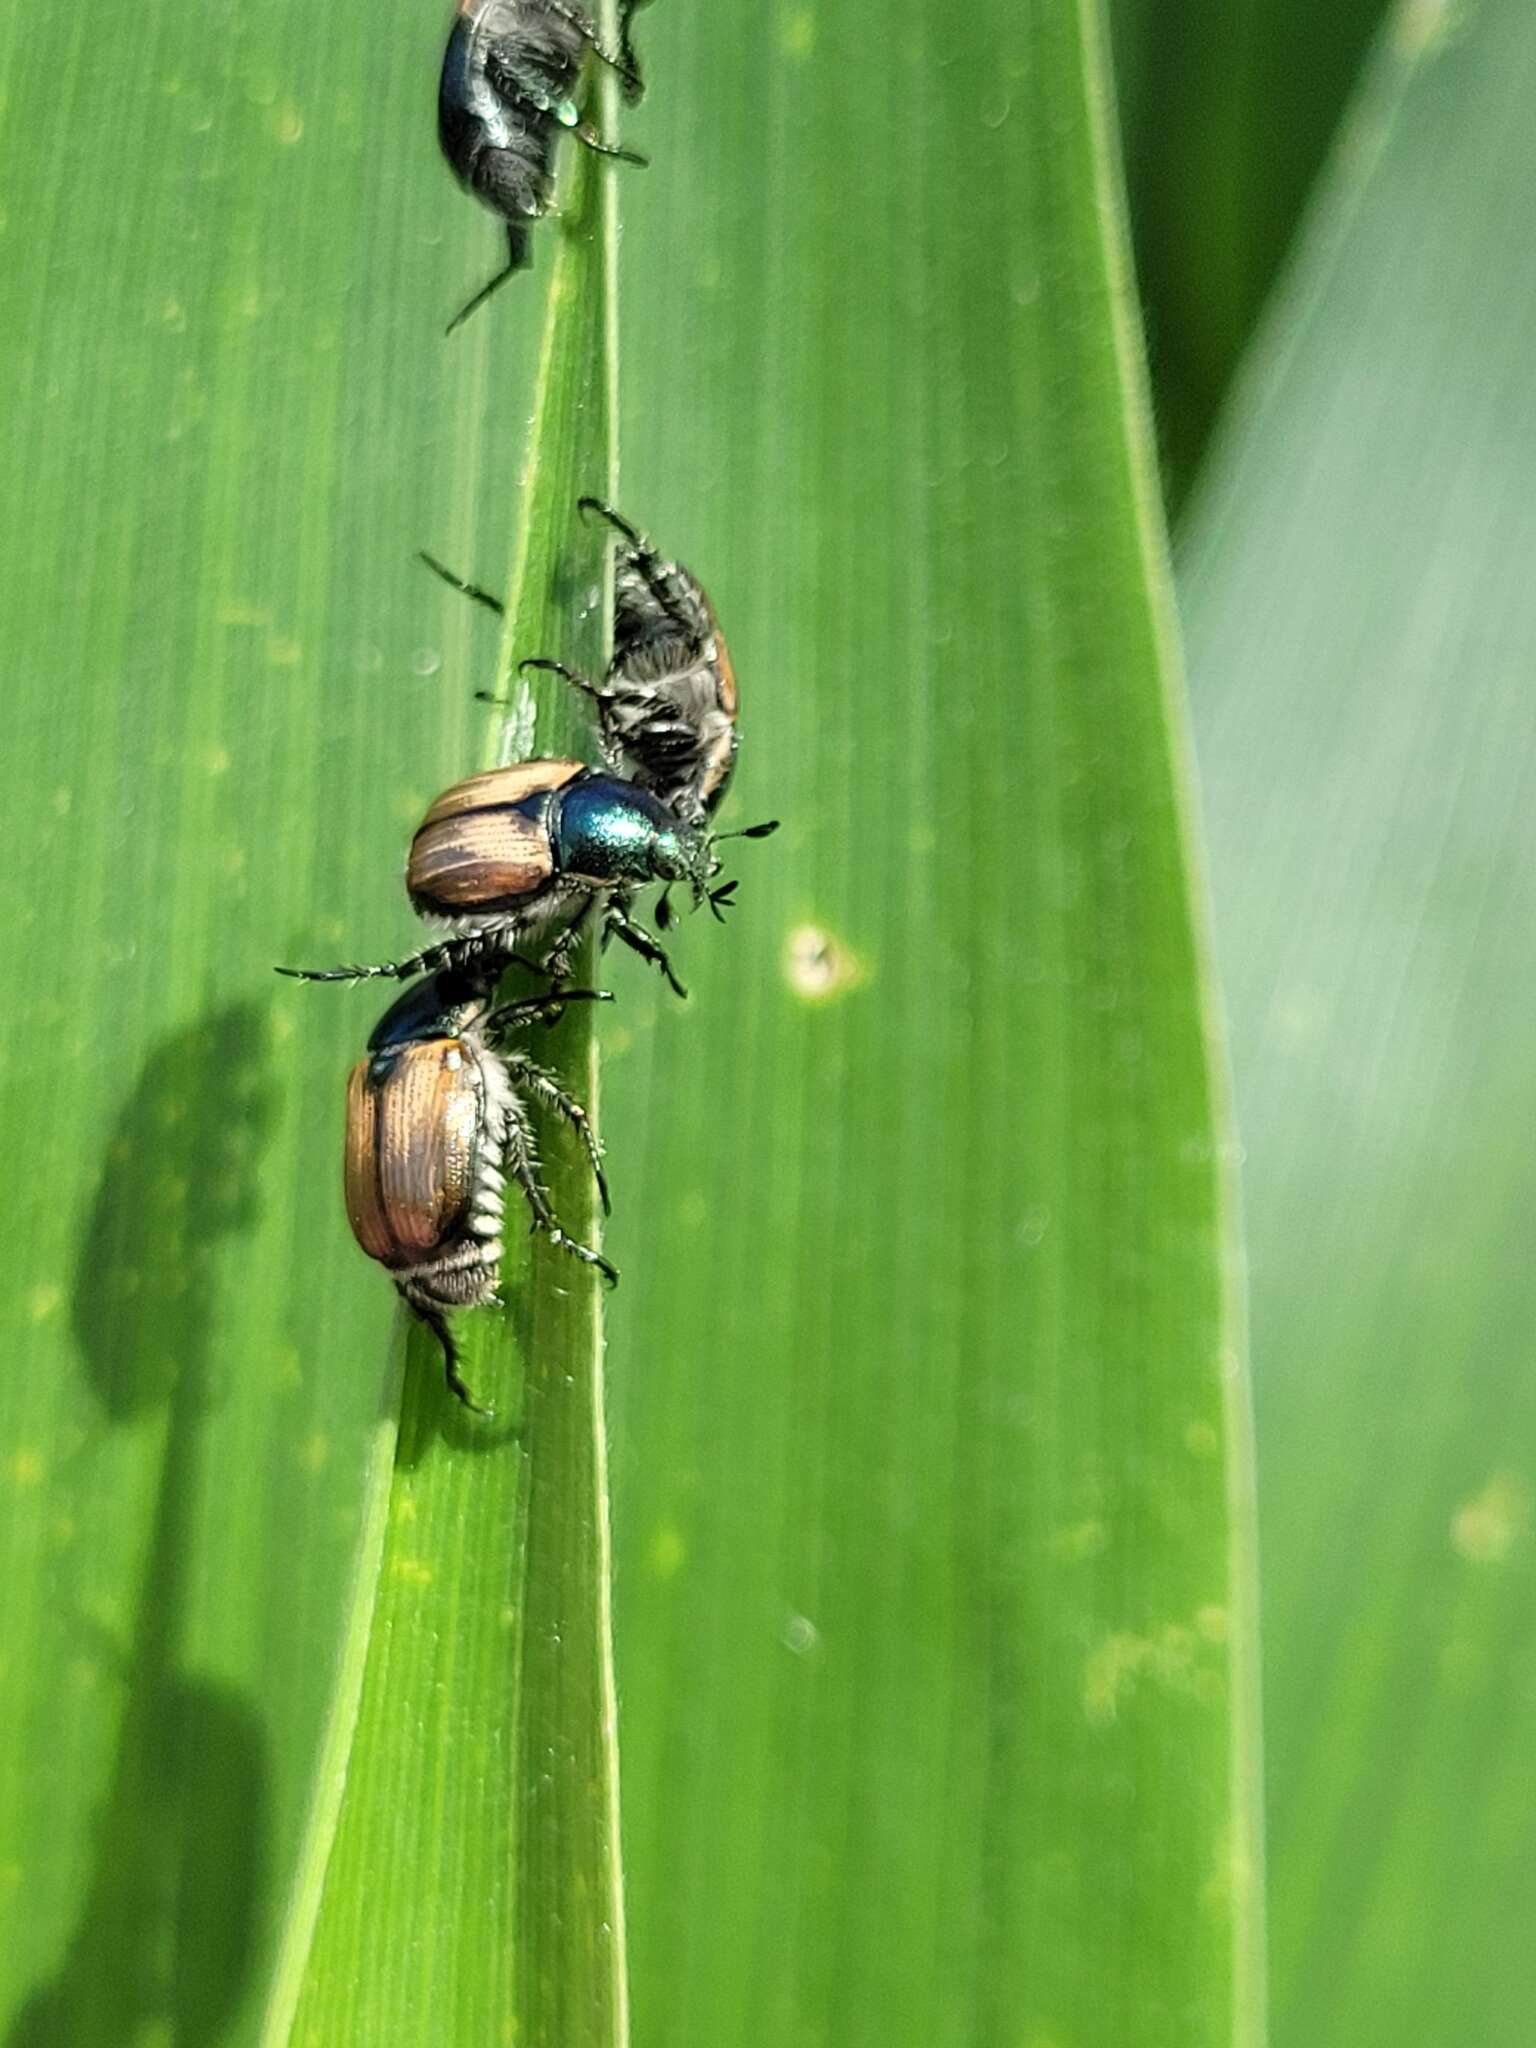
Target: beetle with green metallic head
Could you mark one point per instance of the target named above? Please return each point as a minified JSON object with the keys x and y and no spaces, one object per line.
{"x":520,"y":852}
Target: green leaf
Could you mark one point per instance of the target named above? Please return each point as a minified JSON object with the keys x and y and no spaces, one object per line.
{"x":1361,"y":616}
{"x":935,"y":1637}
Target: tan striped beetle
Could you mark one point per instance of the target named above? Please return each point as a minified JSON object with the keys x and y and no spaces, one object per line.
{"x":436,"y":1122}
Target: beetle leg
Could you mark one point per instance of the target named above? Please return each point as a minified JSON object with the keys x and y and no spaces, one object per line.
{"x":557,"y":961}
{"x":544,"y":1088}
{"x":629,"y":70}
{"x":620,"y":524}
{"x":452,"y":953}
{"x":530,"y":1007}
{"x":558,"y":668}
{"x":391,"y":970}
{"x":608,"y":742}
{"x":437,"y":1323}
{"x":471,"y":590}
{"x":618,"y":922}
{"x":521,"y":1164}
{"x":624,"y":62}
{"x":585,"y":132}
{"x":656,"y":572}
{"x":517,"y":259}
{"x":516,"y":86}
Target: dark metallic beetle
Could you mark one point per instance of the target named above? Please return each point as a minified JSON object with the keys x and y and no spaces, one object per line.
{"x":435,"y":1121}
{"x":667,"y":706}
{"x":508,"y":90}
{"x":525,"y":850}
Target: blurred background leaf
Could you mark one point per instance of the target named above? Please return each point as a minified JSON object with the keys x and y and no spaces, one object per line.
{"x":1229,"y":109}
{"x":1361,"y":616}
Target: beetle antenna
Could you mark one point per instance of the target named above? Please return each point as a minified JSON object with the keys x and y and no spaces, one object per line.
{"x":763,"y":831}
{"x":723,"y":899}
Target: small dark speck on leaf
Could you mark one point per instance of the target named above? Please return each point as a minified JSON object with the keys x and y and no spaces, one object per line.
{"x":818,"y":966}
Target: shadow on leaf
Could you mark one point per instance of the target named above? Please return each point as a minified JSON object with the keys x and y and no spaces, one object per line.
{"x":164,"y":1942}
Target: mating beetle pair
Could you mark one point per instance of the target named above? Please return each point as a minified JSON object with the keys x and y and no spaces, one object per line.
{"x":507,"y":92}
{"x":508,"y":855}
{"x":435,"y":1122}
{"x":436,"y":1116}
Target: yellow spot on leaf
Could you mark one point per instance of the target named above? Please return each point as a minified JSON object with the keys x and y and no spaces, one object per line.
{"x":797,"y":37}
{"x":315,"y":1451}
{"x":801,"y":1635}
{"x":26,"y":1468}
{"x":412,"y":1571}
{"x":1201,"y":1440}
{"x":43,"y":1301}
{"x":667,"y":1552}
{"x":1079,"y":1540}
{"x":1122,"y":1662}
{"x":818,"y":967}
{"x":217,"y":761}
{"x":1489,"y":1525}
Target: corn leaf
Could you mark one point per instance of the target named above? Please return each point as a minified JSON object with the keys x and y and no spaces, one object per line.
{"x":935,"y":1630}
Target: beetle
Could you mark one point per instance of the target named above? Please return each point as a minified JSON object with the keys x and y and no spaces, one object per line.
{"x":667,"y":706}
{"x":436,"y":1120}
{"x":528,"y":849}
{"x":507,"y":91}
